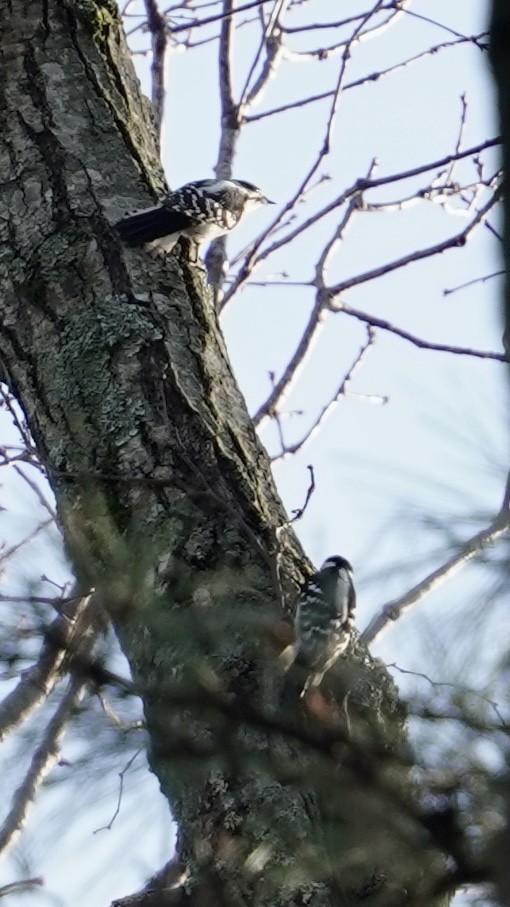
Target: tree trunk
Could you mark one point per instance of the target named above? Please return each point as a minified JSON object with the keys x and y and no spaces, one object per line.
{"x":166,"y":499}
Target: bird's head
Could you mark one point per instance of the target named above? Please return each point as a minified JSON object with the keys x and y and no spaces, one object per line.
{"x":254,"y":195}
{"x":335,"y":563}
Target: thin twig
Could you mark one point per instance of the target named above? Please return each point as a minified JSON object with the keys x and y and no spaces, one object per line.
{"x":456,"y":241}
{"x":441,"y":25}
{"x":470,"y":283}
{"x":10,"y":405}
{"x":362,"y":184}
{"x":340,"y":394}
{"x":37,"y":491}
{"x":283,"y":386}
{"x":361,"y":34}
{"x":22,"y":885}
{"x":5,"y":555}
{"x":158,"y":29}
{"x":358,"y":83}
{"x":384,"y":325}
{"x":226,"y":14}
{"x":310,"y":334}
{"x":121,"y":791}
{"x":253,"y":258}
{"x":297,"y":514}
{"x":463,"y":101}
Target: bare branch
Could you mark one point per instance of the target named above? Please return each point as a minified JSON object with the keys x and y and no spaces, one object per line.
{"x":462,"y":124}
{"x":122,"y":775}
{"x":393,"y":610}
{"x":252,"y":258}
{"x":5,"y":555}
{"x":41,"y":764}
{"x":272,"y":43}
{"x":230,"y":124}
{"x":33,"y":599}
{"x":229,"y":110}
{"x":297,"y":514}
{"x":459,"y":239}
{"x":337,"y":23}
{"x":219,"y":17}
{"x":36,"y":489}
{"x":446,"y":28}
{"x":470,"y":283}
{"x":384,"y":325}
{"x":38,"y":681}
{"x":310,"y":333}
{"x":157,"y":26}
{"x":362,"y":81}
{"x":433,"y":165}
{"x":255,"y":257}
{"x":325,"y":299}
{"x":20,"y":424}
{"x":340,"y":394}
{"x":22,"y":885}
{"x":362,"y":32}
{"x":283,"y":386}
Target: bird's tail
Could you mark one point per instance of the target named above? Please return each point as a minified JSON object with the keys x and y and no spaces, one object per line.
{"x":146,"y":226}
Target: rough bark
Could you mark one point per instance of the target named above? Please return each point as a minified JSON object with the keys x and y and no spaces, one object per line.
{"x":166,"y":499}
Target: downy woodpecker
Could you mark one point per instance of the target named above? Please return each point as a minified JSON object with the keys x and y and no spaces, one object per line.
{"x":201,"y":211}
{"x":323,"y":620}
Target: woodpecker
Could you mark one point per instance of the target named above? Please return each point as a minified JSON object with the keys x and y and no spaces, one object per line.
{"x":323,"y":620}
{"x":201,"y":211}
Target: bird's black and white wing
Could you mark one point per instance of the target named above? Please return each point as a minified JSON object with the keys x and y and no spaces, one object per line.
{"x":323,"y":620}
{"x":202,"y":211}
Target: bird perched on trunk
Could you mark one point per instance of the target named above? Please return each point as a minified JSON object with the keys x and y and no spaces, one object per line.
{"x":323,"y":621}
{"x":202,"y":211}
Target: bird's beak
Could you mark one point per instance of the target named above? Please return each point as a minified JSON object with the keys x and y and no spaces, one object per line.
{"x":268,"y":201}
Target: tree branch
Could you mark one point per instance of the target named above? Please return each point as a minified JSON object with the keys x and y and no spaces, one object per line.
{"x":157,"y":26}
{"x":38,"y":681}
{"x":393,"y":610}
{"x":419,"y":342}
{"x":41,"y":764}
